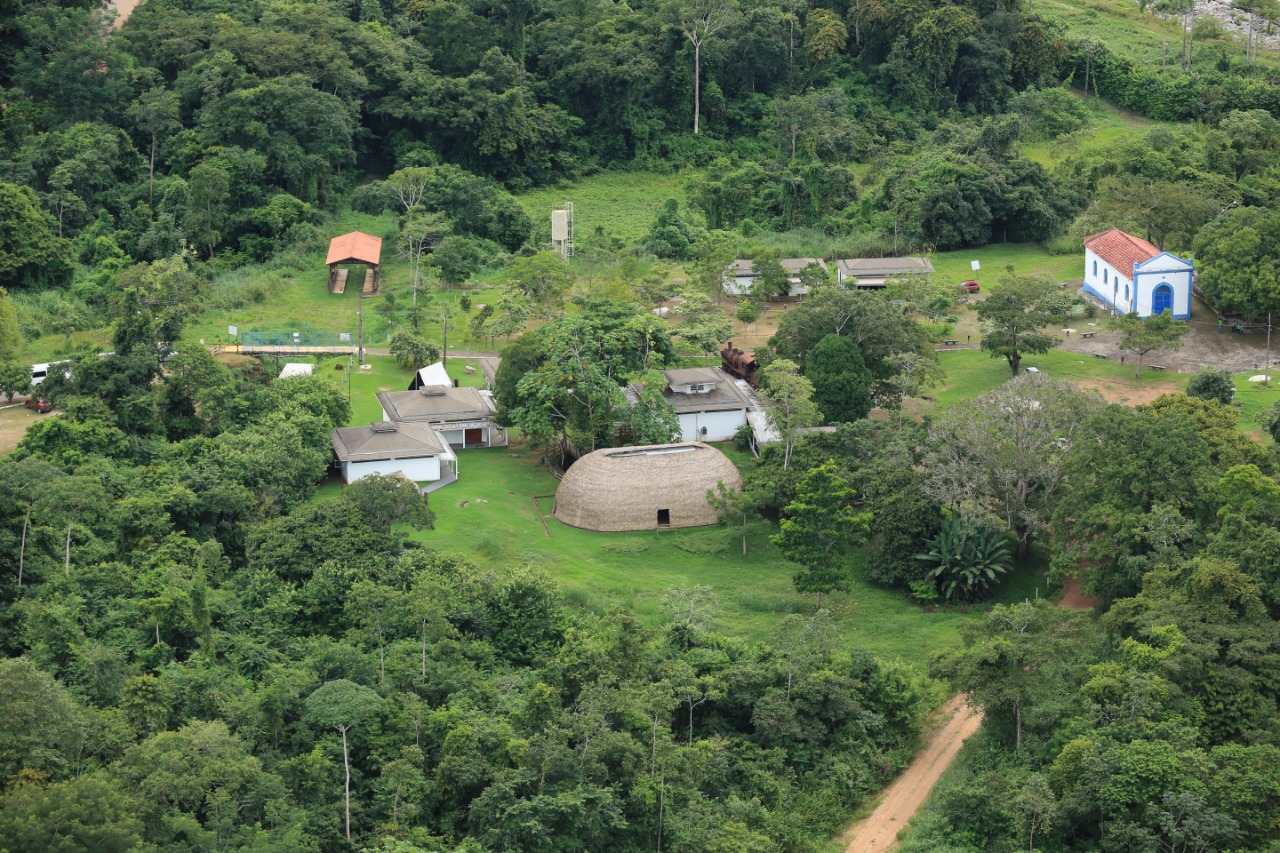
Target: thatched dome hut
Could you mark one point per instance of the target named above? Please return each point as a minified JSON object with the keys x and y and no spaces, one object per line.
{"x":643,"y":488}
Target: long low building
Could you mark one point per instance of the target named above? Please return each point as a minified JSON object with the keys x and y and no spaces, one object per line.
{"x":874,"y":273}
{"x":741,"y":278}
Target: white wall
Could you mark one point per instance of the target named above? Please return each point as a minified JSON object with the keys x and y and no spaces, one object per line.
{"x":422,"y":470}
{"x":720,"y":425}
{"x":1164,"y":270}
{"x":1114,"y":285}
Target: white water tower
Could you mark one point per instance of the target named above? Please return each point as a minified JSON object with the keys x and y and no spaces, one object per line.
{"x":562,"y":229}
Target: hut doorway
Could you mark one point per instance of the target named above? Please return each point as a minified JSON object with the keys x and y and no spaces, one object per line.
{"x":664,"y":517}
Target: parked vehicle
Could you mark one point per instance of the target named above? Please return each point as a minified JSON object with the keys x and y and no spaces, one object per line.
{"x":40,"y":404}
{"x":40,"y":372}
{"x":971,"y":286}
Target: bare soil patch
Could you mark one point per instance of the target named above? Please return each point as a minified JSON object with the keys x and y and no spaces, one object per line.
{"x":1073,"y":598}
{"x":14,"y":421}
{"x":1115,"y":391}
{"x":1202,"y":346}
{"x":124,"y":8}
{"x":902,"y":799}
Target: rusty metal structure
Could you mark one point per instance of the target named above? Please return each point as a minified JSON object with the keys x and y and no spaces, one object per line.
{"x":739,"y":363}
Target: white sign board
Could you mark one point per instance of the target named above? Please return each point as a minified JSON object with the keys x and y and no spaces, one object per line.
{"x":559,"y":225}
{"x":345,"y":337}
{"x":232,"y":331}
{"x":973,"y":265}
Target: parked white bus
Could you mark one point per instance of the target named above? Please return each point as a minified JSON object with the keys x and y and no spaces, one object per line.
{"x":40,"y":372}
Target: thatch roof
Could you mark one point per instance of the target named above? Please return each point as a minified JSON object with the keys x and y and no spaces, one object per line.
{"x":626,"y":488}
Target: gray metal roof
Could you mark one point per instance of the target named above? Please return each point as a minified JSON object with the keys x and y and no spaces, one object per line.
{"x":386,"y":441}
{"x":435,"y":404}
{"x":883,"y":267}
{"x":726,"y":396}
{"x":743,"y":267}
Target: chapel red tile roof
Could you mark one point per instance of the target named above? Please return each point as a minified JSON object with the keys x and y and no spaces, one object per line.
{"x":355,"y":247}
{"x":1121,"y":250}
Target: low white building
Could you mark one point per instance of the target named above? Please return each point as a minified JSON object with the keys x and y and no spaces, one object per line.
{"x":1132,"y":276}
{"x":296,"y":368}
{"x":411,"y":449}
{"x":708,"y":402}
{"x":740,"y":279}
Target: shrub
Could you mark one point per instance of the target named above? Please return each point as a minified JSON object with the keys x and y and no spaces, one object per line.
{"x":966,"y":559}
{"x":1211,"y":384}
{"x":411,"y":351}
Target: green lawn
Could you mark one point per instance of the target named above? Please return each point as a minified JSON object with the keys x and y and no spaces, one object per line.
{"x":624,"y":204}
{"x":1129,"y":31}
{"x":1255,"y":398}
{"x":489,"y":515}
{"x":995,"y":259}
{"x":972,"y":372}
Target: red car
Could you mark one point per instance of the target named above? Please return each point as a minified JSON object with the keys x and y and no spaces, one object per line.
{"x":40,"y":404}
{"x":971,"y":286}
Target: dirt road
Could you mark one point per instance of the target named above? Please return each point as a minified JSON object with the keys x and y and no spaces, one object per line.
{"x":900,"y":801}
{"x":124,"y":8}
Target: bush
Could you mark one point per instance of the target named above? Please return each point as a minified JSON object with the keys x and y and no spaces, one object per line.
{"x":373,"y":198}
{"x":412,"y":352}
{"x":967,"y":560}
{"x":1211,"y":384}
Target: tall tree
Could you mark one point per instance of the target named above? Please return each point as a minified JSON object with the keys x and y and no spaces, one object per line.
{"x":791,"y":407}
{"x":698,"y":21}
{"x":818,"y":526}
{"x":155,"y":113}
{"x":1008,"y":658}
{"x":1004,"y":451}
{"x":342,"y":705}
{"x":1014,"y":314}
{"x":841,"y":380}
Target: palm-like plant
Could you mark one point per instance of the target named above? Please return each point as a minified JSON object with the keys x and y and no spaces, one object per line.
{"x":968,"y":559}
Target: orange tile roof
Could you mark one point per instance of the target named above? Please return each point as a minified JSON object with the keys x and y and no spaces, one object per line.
{"x":1121,"y":250}
{"x":355,"y":248}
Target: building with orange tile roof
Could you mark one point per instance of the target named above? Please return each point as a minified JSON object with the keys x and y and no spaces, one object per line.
{"x":1130,"y":275}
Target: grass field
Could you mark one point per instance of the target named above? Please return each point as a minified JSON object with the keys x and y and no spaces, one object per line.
{"x":624,"y":204}
{"x":1127,"y":30}
{"x":490,"y":516}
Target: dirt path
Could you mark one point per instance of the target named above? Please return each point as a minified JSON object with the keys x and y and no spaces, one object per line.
{"x":124,"y":8}
{"x":1073,"y":598}
{"x":900,"y":801}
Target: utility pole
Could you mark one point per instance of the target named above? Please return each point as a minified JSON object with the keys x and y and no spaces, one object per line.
{"x":1268,"y":365}
{"x":360,"y":319}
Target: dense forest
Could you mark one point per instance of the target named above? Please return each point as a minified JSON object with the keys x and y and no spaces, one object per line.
{"x":201,"y":652}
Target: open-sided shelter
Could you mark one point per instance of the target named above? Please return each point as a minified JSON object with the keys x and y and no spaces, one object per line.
{"x":353,"y":249}
{"x":644,"y":488}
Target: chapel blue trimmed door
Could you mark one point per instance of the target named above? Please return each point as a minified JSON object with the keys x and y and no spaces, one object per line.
{"x":1162,"y":300}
